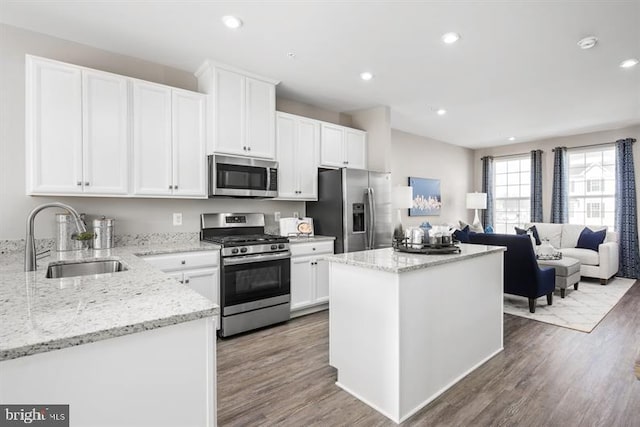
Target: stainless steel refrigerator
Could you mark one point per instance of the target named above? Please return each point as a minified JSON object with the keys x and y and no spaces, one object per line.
{"x":354,"y":206}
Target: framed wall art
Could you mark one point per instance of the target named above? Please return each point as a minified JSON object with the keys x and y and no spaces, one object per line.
{"x":427,"y":200}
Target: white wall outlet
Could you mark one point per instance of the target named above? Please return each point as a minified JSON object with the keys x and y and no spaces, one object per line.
{"x":177,"y":218}
{"x":276,"y":216}
{"x":296,"y":215}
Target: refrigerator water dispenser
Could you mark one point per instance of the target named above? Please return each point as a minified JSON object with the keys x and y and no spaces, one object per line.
{"x":358,"y":217}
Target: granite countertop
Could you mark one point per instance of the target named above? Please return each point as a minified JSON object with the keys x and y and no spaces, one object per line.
{"x":400,"y":262}
{"x":305,"y":239}
{"x":39,"y":314}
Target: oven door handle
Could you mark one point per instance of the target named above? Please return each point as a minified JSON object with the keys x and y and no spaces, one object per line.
{"x":255,"y":258}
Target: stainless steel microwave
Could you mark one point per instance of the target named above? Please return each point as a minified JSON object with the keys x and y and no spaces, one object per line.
{"x":242,"y":177}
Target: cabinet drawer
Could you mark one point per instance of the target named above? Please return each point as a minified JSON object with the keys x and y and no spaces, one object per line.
{"x":311,"y":248}
{"x":184,"y":260}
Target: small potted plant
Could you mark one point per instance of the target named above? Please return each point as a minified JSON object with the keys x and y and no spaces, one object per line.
{"x":83,"y":240}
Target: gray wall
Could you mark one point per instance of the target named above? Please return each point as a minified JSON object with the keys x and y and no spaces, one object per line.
{"x":547,"y":146}
{"x":377,"y":122}
{"x":312,"y":112}
{"x":421,"y":157}
{"x":132,"y":215}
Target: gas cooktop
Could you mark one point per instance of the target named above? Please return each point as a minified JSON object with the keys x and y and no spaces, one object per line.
{"x":247,"y":239}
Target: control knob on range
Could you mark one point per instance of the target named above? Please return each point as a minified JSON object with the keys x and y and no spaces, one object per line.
{"x":243,"y":250}
{"x":274,"y":247}
{"x":281,"y":246}
{"x":234,"y":250}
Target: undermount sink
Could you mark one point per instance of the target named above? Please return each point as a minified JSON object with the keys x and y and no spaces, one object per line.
{"x":57,"y":271}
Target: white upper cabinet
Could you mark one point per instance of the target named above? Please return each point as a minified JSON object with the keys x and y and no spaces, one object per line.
{"x":105,"y":133}
{"x":168,"y":141}
{"x":94,"y":133}
{"x":53,"y":127}
{"x":77,"y":130}
{"x":297,"y":146}
{"x":355,"y":142}
{"x":332,"y":146}
{"x":244,"y":107}
{"x":229,"y":112}
{"x":189,"y":159}
{"x":260,"y":118}
{"x":152,"y":139}
{"x":343,"y":147}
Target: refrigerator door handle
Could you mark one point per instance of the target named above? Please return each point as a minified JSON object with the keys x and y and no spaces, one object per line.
{"x":372,"y":218}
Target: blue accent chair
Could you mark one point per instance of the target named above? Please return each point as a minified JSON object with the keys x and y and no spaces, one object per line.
{"x":522,"y":275}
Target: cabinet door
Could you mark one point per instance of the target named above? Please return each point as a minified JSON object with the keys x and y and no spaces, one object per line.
{"x":356,"y":148}
{"x":307,"y":159}
{"x":53,"y":127}
{"x":260,"y":118}
{"x":229,"y":112}
{"x":189,"y":172}
{"x":152,"y":139}
{"x":332,"y":146}
{"x":206,"y":282}
{"x":287,"y":158}
{"x":321,"y":279}
{"x":301,"y":283}
{"x":105,"y":133}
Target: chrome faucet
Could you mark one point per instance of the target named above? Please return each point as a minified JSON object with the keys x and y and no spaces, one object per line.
{"x":30,"y":244}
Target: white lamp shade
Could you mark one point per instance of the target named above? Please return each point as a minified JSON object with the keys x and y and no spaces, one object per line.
{"x":402,"y":197}
{"x":476,"y":200}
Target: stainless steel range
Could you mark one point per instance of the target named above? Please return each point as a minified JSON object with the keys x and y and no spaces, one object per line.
{"x":255,"y":286}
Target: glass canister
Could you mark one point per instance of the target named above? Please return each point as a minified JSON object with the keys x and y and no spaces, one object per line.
{"x":103,"y":233}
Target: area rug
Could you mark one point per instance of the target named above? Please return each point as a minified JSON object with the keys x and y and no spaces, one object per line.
{"x":581,"y":310}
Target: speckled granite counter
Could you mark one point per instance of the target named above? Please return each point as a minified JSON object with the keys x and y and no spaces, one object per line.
{"x":310,"y":239}
{"x":39,"y":314}
{"x":400,"y":262}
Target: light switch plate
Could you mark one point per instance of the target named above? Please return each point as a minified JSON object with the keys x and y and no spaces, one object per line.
{"x":177,"y":218}
{"x":276,"y":216}
{"x":296,"y":215}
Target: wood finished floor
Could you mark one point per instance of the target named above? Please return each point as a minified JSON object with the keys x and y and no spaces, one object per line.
{"x":546,"y":376}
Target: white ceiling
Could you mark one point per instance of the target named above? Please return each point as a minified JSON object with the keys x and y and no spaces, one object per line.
{"x":517,"y":70}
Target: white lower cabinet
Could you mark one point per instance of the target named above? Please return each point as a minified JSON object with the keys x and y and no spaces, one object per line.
{"x":309,"y":274}
{"x":199,"y":270}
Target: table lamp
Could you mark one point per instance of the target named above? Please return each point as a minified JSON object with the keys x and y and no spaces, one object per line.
{"x":477,"y":201}
{"x":402,"y":199}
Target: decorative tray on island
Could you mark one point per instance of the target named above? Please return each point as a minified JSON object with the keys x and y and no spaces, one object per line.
{"x":425,"y":248}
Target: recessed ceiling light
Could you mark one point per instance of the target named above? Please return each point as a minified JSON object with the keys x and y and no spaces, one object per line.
{"x":512,"y":138}
{"x":291,"y":55}
{"x":232,"y":22}
{"x":441,"y":112}
{"x":366,"y":76}
{"x":628,"y":63}
{"x":450,"y":38}
{"x":588,"y":42}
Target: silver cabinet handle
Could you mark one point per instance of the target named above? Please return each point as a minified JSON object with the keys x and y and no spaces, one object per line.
{"x":248,"y":148}
{"x":86,"y":183}
{"x":79,"y":183}
{"x":244,"y":148}
{"x":171,"y":187}
{"x":186,"y":281}
{"x":175,"y":187}
{"x":183,"y":262}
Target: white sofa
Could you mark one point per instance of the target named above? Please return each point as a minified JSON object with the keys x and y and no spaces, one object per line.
{"x":564,"y":237}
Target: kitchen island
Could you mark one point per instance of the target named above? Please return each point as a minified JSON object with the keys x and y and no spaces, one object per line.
{"x":406,"y":327}
{"x":133,"y":347}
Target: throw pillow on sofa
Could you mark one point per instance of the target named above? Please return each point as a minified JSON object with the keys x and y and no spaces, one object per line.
{"x":476,"y":228}
{"x":462,"y":235}
{"x":534,"y":232}
{"x":591,"y":239}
